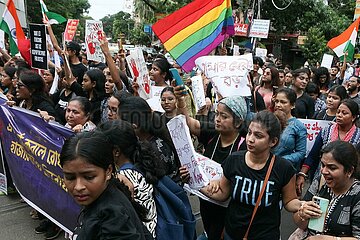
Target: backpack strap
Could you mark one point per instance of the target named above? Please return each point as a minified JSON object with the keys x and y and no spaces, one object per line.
{"x":240,"y":142}
{"x":260,"y":195}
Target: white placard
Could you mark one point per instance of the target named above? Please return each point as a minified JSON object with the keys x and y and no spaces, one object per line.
{"x":93,"y":36}
{"x":2,"y":39}
{"x":155,"y":101}
{"x":181,"y":138}
{"x":198,"y":92}
{"x":313,"y":128}
{"x":260,"y":28}
{"x":228,"y":74}
{"x":236,"y":50}
{"x":137,"y":66}
{"x":261,"y":52}
{"x":327,"y":60}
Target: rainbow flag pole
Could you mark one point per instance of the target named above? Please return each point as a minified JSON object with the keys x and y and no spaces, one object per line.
{"x":195,"y":30}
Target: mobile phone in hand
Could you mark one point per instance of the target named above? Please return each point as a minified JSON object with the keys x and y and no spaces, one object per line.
{"x":317,"y":224}
{"x":175,"y":74}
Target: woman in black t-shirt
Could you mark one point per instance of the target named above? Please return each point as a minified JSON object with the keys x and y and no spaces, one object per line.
{"x":244,"y":173}
{"x":219,"y":140}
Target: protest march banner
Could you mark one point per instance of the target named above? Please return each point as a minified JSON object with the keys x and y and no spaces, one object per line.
{"x":138,"y":69}
{"x":228,"y":74}
{"x":32,"y":150}
{"x":155,"y":100}
{"x":93,"y":36}
{"x":39,"y":58}
{"x":70,"y":29}
{"x":3,"y":179}
{"x":313,"y":128}
{"x":198,"y":92}
{"x":259,"y":28}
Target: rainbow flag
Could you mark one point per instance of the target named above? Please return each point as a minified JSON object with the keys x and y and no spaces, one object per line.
{"x":195,"y":30}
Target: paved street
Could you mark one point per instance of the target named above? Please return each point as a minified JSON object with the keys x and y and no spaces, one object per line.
{"x":16,"y":223}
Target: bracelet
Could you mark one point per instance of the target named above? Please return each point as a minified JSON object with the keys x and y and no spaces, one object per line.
{"x":302,"y":174}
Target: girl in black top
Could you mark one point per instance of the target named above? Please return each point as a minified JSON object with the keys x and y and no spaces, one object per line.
{"x":304,"y":105}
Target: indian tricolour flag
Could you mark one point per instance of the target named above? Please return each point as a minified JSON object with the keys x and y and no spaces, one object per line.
{"x":345,"y":41}
{"x":51,"y":17}
{"x":10,"y":24}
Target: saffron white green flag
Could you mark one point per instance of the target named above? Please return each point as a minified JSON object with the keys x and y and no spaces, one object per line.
{"x":345,"y":42}
{"x":51,"y":17}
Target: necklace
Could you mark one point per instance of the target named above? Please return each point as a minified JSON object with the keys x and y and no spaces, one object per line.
{"x":217,"y":142}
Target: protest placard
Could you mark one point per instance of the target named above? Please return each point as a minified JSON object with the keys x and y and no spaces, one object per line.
{"x":198,"y":92}
{"x":261,"y":52}
{"x":155,"y":101}
{"x":2,"y":39}
{"x":259,"y":28}
{"x":327,"y":60}
{"x":70,"y":29}
{"x":180,"y":135}
{"x":39,"y":58}
{"x":32,"y":150}
{"x":241,"y":29}
{"x":228,"y":74}
{"x":93,"y":36}
{"x":313,"y":128}
{"x":138,"y":69}
{"x":236,"y":50}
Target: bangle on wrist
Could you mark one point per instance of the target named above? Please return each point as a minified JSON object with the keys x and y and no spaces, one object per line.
{"x":302,"y":174}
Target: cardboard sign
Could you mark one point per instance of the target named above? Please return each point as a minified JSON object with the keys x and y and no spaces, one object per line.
{"x":236,"y":50}
{"x":313,"y":128}
{"x":93,"y":36}
{"x":70,"y":29}
{"x":259,"y":28}
{"x":198,"y":92}
{"x":261,"y":52}
{"x":39,"y":58}
{"x":180,"y":135}
{"x":137,"y":66}
{"x":228,"y":74}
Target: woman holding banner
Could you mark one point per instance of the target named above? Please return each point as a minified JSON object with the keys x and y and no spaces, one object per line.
{"x":220,"y":139}
{"x":343,"y":129}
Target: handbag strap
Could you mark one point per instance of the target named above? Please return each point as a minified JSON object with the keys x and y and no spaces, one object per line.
{"x":260,"y":195}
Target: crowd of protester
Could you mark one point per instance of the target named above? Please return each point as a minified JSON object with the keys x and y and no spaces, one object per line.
{"x":248,"y":136}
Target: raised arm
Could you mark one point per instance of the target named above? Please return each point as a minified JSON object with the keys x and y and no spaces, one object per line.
{"x":104,"y":45}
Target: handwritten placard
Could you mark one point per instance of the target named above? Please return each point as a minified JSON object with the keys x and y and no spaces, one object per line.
{"x":70,"y":29}
{"x":155,"y":101}
{"x":138,"y":69}
{"x":313,"y":128}
{"x":198,"y":92}
{"x":228,"y":74}
{"x":181,"y":138}
{"x":93,"y":36}
{"x":261,"y":52}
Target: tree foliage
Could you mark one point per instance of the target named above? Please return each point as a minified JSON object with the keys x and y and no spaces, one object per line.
{"x":115,"y":24}
{"x":70,"y":9}
{"x":314,"y":46}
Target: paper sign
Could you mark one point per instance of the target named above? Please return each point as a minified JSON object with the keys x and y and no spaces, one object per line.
{"x":181,"y":138}
{"x":93,"y":36}
{"x":261,"y":52}
{"x":313,"y":128}
{"x":228,"y":74}
{"x":39,"y":57}
{"x":137,"y":66}
{"x":259,"y":28}
{"x":155,"y":101}
{"x":327,"y":60}
{"x":236,"y":50}
{"x":70,"y":29}
{"x":2,"y":39}
{"x":198,"y":92}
